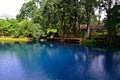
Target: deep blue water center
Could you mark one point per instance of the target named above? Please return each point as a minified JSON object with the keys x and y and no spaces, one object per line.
{"x":54,"y":61}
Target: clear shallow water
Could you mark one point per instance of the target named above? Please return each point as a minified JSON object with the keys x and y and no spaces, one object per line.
{"x":45,"y":61}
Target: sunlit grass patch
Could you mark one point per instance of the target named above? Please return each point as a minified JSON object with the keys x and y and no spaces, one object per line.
{"x":15,"y":39}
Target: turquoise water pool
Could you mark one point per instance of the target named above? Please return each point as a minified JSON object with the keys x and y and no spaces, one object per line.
{"x":54,"y":61}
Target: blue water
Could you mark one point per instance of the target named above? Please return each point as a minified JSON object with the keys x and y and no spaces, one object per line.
{"x":54,"y":61}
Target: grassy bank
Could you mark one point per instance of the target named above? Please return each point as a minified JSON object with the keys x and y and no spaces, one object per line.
{"x":15,"y":39}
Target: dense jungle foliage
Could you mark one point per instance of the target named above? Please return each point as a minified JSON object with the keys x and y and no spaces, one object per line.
{"x":39,"y":19}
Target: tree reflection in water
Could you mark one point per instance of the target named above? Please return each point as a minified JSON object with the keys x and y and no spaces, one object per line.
{"x":51,"y":61}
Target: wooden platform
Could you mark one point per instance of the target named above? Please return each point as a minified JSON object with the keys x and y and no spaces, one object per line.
{"x":66,"y":39}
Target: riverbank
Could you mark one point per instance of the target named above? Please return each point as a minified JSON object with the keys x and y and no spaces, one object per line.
{"x":73,"y":40}
{"x":15,"y":39}
{"x":76,"y":41}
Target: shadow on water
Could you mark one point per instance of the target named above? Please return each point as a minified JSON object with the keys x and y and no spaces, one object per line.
{"x":54,"y":61}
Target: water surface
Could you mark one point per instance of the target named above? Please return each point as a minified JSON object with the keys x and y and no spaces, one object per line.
{"x":52,"y":61}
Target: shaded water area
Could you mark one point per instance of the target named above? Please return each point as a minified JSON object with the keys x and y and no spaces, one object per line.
{"x":54,"y":61}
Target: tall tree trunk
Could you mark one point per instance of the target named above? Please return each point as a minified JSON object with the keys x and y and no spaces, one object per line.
{"x":99,"y":12}
{"x":88,"y":21}
{"x":88,"y":29}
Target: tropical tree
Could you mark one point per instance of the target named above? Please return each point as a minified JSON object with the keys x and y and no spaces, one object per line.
{"x":113,"y":24}
{"x":13,"y":28}
{"x":27,"y":10}
{"x":3,"y":27}
{"x":49,"y":13}
{"x":63,"y":15}
{"x":89,"y":6}
{"x":24,"y":26}
{"x":112,"y":19}
{"x":36,"y":31}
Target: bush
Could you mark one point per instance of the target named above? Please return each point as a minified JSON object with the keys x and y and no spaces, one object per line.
{"x":37,"y":32}
{"x":51,"y":32}
{"x":87,"y":41}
